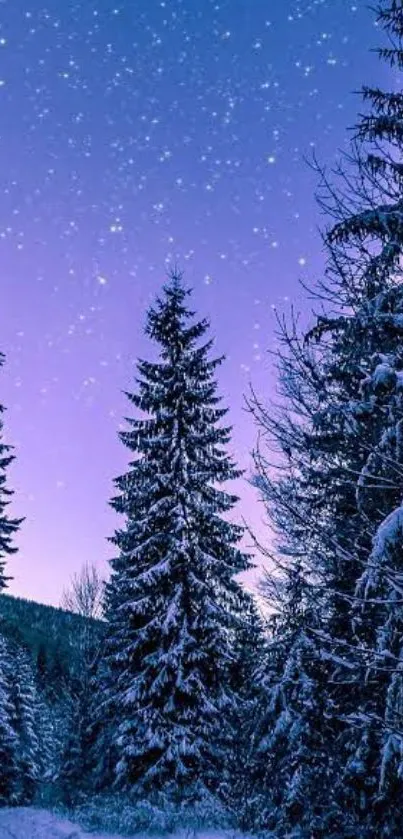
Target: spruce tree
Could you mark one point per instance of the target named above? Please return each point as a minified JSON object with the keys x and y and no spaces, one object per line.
{"x":9,"y":774}
{"x":248,"y":657}
{"x":73,"y":771}
{"x":8,"y":529}
{"x":26,"y":724}
{"x":84,"y":698}
{"x":8,"y":526}
{"x":331,"y":728}
{"x":173,"y":603}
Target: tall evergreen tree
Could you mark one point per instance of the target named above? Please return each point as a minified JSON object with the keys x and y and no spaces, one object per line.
{"x":8,"y":529}
{"x":26,"y":724}
{"x":248,"y":657}
{"x":84,"y":695}
{"x":8,"y":526}
{"x":9,"y":774}
{"x":332,"y":735}
{"x":73,"y":772}
{"x":173,"y":603}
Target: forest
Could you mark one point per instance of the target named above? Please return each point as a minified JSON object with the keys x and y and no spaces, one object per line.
{"x":169,"y":696}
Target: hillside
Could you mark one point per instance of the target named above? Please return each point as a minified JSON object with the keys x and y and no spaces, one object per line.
{"x":49,"y":633}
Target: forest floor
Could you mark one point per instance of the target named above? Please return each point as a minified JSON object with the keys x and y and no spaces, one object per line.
{"x":30,"y":823}
{"x":33,"y":823}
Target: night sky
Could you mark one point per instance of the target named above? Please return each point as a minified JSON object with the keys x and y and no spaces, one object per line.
{"x":135,"y":135}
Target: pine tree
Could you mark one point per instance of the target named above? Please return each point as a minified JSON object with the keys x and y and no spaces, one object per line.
{"x":8,"y":738}
{"x":333,"y":702}
{"x":73,"y":772}
{"x":46,"y":734}
{"x":8,"y":526}
{"x":174,"y":603}
{"x":8,"y":529}
{"x":103,"y":752}
{"x":25,"y":722}
{"x":42,"y":665}
{"x":248,"y":656}
{"x":83,"y":698}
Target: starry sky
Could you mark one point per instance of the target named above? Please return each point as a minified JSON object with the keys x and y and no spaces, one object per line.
{"x":135,"y":134}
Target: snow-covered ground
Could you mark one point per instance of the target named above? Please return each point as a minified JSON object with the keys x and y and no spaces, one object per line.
{"x":29,"y":823}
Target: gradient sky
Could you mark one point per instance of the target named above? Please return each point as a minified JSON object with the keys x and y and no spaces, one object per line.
{"x":134,"y":135}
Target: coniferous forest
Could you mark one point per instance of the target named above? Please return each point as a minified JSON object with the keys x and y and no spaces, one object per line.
{"x":169,"y":696}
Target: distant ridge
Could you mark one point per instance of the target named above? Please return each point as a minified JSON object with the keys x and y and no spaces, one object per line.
{"x":49,"y":633}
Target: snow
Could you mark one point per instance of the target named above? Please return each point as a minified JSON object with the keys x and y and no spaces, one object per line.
{"x":30,"y":823}
{"x":384,"y":375}
{"x":33,"y":823}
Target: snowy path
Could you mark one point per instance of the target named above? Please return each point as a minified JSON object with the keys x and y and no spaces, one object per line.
{"x":28,"y":823}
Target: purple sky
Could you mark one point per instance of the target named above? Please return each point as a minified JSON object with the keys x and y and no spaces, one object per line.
{"x":135,"y":134}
